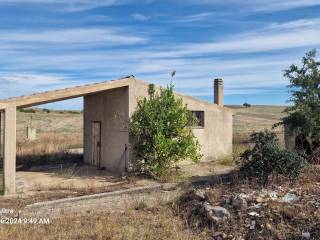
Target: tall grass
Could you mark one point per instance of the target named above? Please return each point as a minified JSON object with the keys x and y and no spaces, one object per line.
{"x":48,"y":148}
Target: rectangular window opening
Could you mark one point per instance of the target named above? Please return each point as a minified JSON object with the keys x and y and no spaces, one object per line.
{"x":200,"y":117}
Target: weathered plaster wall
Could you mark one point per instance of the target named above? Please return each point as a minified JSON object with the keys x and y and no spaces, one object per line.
{"x":111,"y":109}
{"x":216,"y":136}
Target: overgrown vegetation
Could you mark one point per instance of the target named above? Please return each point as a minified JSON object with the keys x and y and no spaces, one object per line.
{"x":267,"y":158}
{"x":161,"y":128}
{"x":303,"y":117}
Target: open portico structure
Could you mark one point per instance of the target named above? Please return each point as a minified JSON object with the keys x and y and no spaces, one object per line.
{"x":107,"y":110}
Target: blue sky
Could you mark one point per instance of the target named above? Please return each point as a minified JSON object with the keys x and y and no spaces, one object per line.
{"x":49,"y":44}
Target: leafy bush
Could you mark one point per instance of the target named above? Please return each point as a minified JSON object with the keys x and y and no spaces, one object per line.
{"x":161,"y":130}
{"x":267,"y":158}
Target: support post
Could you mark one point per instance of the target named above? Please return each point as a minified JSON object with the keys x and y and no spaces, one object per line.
{"x":9,"y":163}
{"x":1,"y":132}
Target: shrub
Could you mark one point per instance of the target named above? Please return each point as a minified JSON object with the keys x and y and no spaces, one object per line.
{"x":266,"y":158}
{"x":161,"y":130}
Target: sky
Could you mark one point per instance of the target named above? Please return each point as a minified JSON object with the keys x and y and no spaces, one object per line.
{"x":51,"y":44}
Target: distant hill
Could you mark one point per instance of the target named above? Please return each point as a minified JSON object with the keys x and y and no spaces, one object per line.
{"x":255,"y":118}
{"x":245,"y":121}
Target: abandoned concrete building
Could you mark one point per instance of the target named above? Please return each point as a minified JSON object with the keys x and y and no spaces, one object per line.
{"x":107,"y":108}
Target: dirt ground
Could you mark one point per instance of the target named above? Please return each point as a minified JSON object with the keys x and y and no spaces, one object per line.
{"x":75,"y":176}
{"x":62,"y":176}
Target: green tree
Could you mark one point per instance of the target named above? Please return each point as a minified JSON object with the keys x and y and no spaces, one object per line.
{"x":246,"y":105}
{"x":161,"y":129}
{"x":303,"y":117}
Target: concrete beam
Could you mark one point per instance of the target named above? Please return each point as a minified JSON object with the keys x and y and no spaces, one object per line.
{"x":9,"y":163}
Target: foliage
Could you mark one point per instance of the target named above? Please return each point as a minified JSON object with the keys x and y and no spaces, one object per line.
{"x":267,"y":158}
{"x":27,"y":110}
{"x":303,"y":117}
{"x":161,"y":129}
{"x":246,"y":105}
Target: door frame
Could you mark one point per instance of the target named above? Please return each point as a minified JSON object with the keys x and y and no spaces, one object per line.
{"x":93,"y":162}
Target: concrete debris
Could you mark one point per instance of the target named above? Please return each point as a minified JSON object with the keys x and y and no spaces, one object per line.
{"x":216,"y":214}
{"x":219,"y":236}
{"x":253,"y":225}
{"x":253,"y":214}
{"x":240,"y":203}
{"x":306,"y":235}
{"x":289,"y":198}
{"x":255,"y":206}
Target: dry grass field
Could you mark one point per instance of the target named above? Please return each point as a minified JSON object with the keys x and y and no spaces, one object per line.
{"x":255,"y":118}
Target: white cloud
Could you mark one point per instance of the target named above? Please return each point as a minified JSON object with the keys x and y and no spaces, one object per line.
{"x":300,"y":23}
{"x":195,"y":17}
{"x":73,"y":36}
{"x":140,"y":17}
{"x":255,"y":42}
{"x":259,"y":5}
{"x":29,"y":79}
{"x":68,"y":5}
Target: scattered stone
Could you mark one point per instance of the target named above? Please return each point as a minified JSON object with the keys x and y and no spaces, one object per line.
{"x":219,"y":236}
{"x":240,"y":203}
{"x":253,"y":225}
{"x":200,"y":194}
{"x":216,"y":214}
{"x":289,"y":198}
{"x":306,"y":235}
{"x":255,"y":206}
{"x":260,"y":200}
{"x":228,"y":201}
{"x":254,"y":214}
{"x":273,"y":195}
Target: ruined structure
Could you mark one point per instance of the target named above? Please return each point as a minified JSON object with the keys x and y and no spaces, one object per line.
{"x":107,"y":109}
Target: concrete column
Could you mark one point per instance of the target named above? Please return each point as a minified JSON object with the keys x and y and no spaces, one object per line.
{"x":289,"y":138}
{"x":218,"y":91}
{"x":9,"y":163}
{"x":1,"y":131}
{"x":31,"y":133}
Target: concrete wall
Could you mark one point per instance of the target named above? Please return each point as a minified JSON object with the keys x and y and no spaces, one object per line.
{"x":216,"y":136}
{"x":111,"y":109}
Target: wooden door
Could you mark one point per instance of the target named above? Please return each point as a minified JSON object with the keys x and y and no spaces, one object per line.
{"x":96,"y":144}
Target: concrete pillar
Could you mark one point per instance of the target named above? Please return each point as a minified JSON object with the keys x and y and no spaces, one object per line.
{"x":1,"y":136}
{"x":218,"y":91}
{"x":289,"y":138}
{"x":31,"y":133}
{"x":9,"y":163}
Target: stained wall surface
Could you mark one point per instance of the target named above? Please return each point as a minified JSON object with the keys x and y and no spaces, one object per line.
{"x":111,"y":109}
{"x":215,"y":137}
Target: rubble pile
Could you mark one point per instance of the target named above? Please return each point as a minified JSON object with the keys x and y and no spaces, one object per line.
{"x":240,"y":211}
